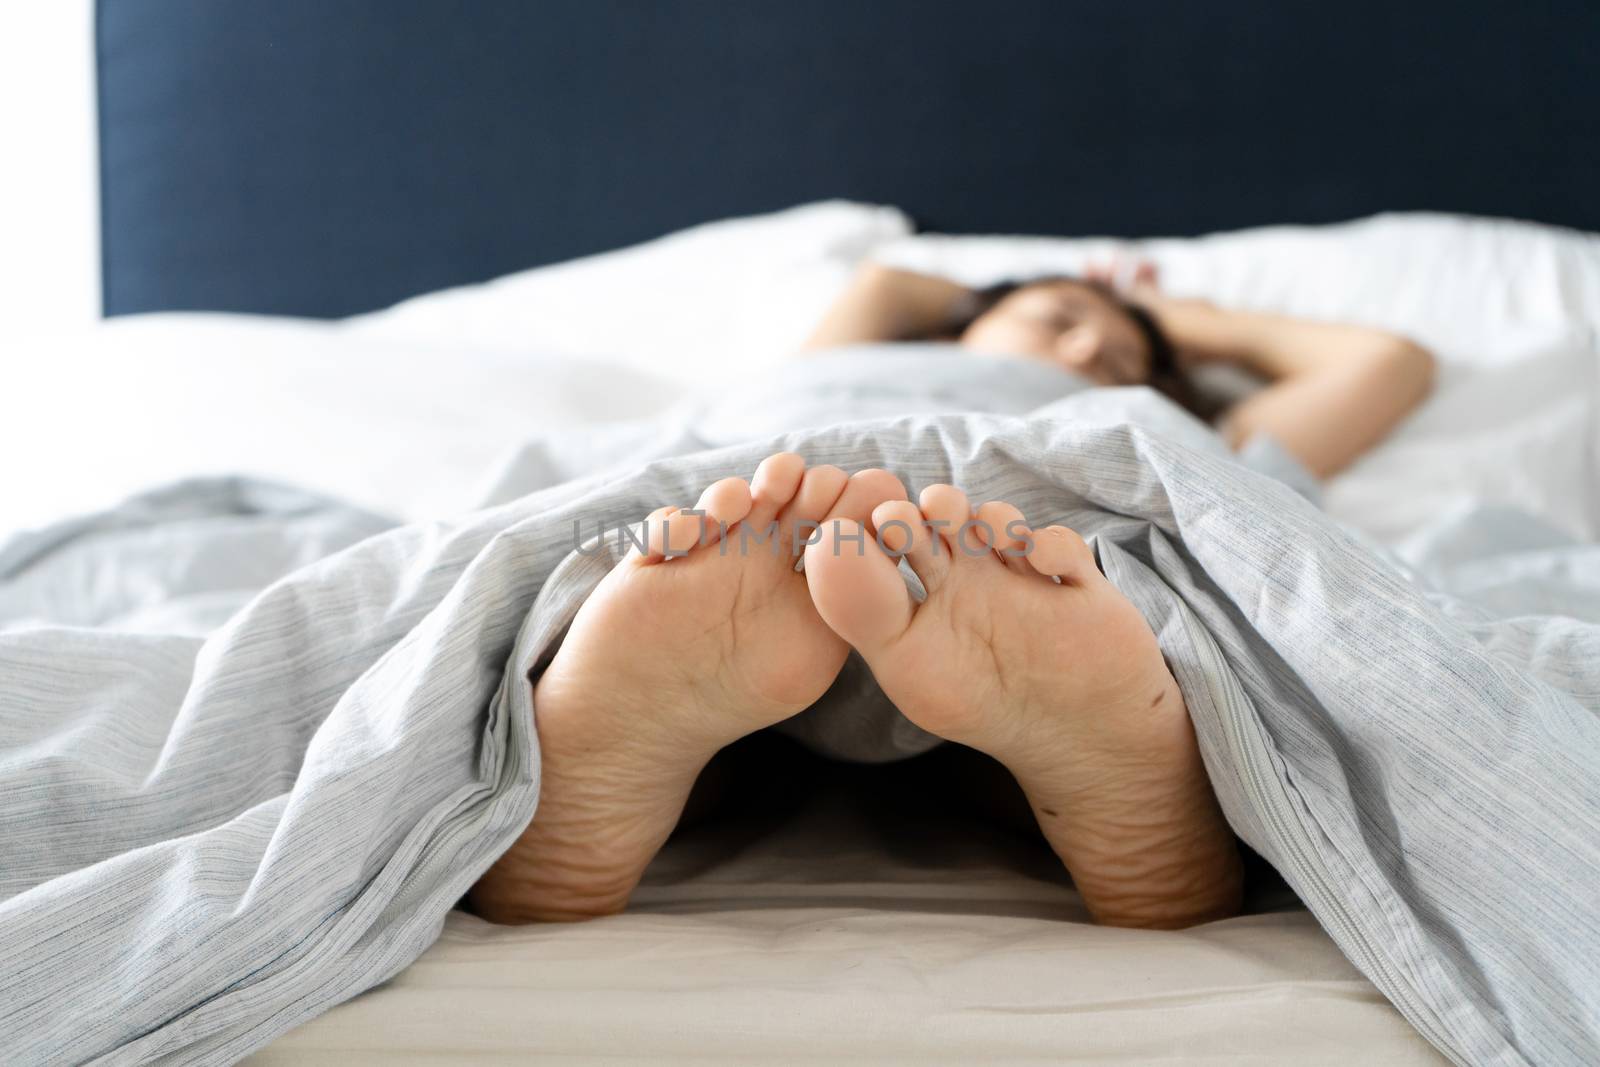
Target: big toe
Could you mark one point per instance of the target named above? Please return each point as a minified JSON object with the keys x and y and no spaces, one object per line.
{"x":855,"y":585}
{"x":864,"y":492}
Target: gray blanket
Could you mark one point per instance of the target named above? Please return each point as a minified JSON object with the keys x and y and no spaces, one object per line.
{"x":254,"y":744}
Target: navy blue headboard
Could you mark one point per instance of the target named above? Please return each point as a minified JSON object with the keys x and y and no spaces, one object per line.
{"x":323,"y":157}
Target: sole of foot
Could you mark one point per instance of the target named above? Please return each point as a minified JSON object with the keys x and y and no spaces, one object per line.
{"x":1024,"y":650}
{"x":705,"y":635}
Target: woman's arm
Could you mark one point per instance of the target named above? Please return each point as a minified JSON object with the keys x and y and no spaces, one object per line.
{"x":1334,"y":391}
{"x":884,"y":304}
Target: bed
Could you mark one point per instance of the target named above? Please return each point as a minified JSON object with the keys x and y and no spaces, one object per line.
{"x":292,"y":187}
{"x":845,"y":932}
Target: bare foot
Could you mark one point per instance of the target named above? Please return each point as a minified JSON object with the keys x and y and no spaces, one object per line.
{"x":1061,"y":682}
{"x":669,"y":660}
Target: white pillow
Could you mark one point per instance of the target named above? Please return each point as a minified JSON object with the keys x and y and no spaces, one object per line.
{"x":1520,"y":433}
{"x":412,"y":430}
{"x":1445,"y":279}
{"x":688,"y":306}
{"x":1511,"y":309}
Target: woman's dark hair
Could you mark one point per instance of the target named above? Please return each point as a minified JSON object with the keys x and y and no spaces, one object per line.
{"x":1166,"y":376}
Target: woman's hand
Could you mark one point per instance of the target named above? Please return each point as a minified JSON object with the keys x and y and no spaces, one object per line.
{"x":1138,"y":281}
{"x":1133,"y":279}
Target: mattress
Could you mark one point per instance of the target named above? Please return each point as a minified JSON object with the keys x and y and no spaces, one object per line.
{"x":842,"y":931}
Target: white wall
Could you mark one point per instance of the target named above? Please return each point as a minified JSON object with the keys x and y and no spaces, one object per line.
{"x":49,"y":194}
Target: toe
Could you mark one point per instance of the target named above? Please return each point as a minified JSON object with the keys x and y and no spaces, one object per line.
{"x":674,"y":532}
{"x":656,"y":526}
{"x":901,"y":531}
{"x":680,"y":532}
{"x":856,"y":588}
{"x":776,"y":481}
{"x":724,"y":503}
{"x":864,"y":492}
{"x":1000,"y":526}
{"x":946,"y":510}
{"x":818,"y":490}
{"x":1060,"y":553}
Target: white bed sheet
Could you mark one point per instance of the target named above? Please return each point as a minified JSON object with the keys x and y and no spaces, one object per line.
{"x":407,"y":429}
{"x":854,"y":935}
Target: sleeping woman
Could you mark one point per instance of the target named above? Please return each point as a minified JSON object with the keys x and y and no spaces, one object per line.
{"x":1022,"y":649}
{"x":1332,"y":391}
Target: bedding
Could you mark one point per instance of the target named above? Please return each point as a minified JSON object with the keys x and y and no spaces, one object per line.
{"x":403,"y":410}
{"x":398,"y":419}
{"x":409,"y":429}
{"x":1511,"y":309}
{"x":737,"y":292}
{"x":850,"y":932}
{"x":285,"y":806}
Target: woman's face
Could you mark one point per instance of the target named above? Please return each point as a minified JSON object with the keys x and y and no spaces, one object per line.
{"x":1068,"y":323}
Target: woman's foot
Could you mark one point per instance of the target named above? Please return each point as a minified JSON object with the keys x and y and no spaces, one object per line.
{"x":669,"y":660}
{"x":1062,"y":682}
